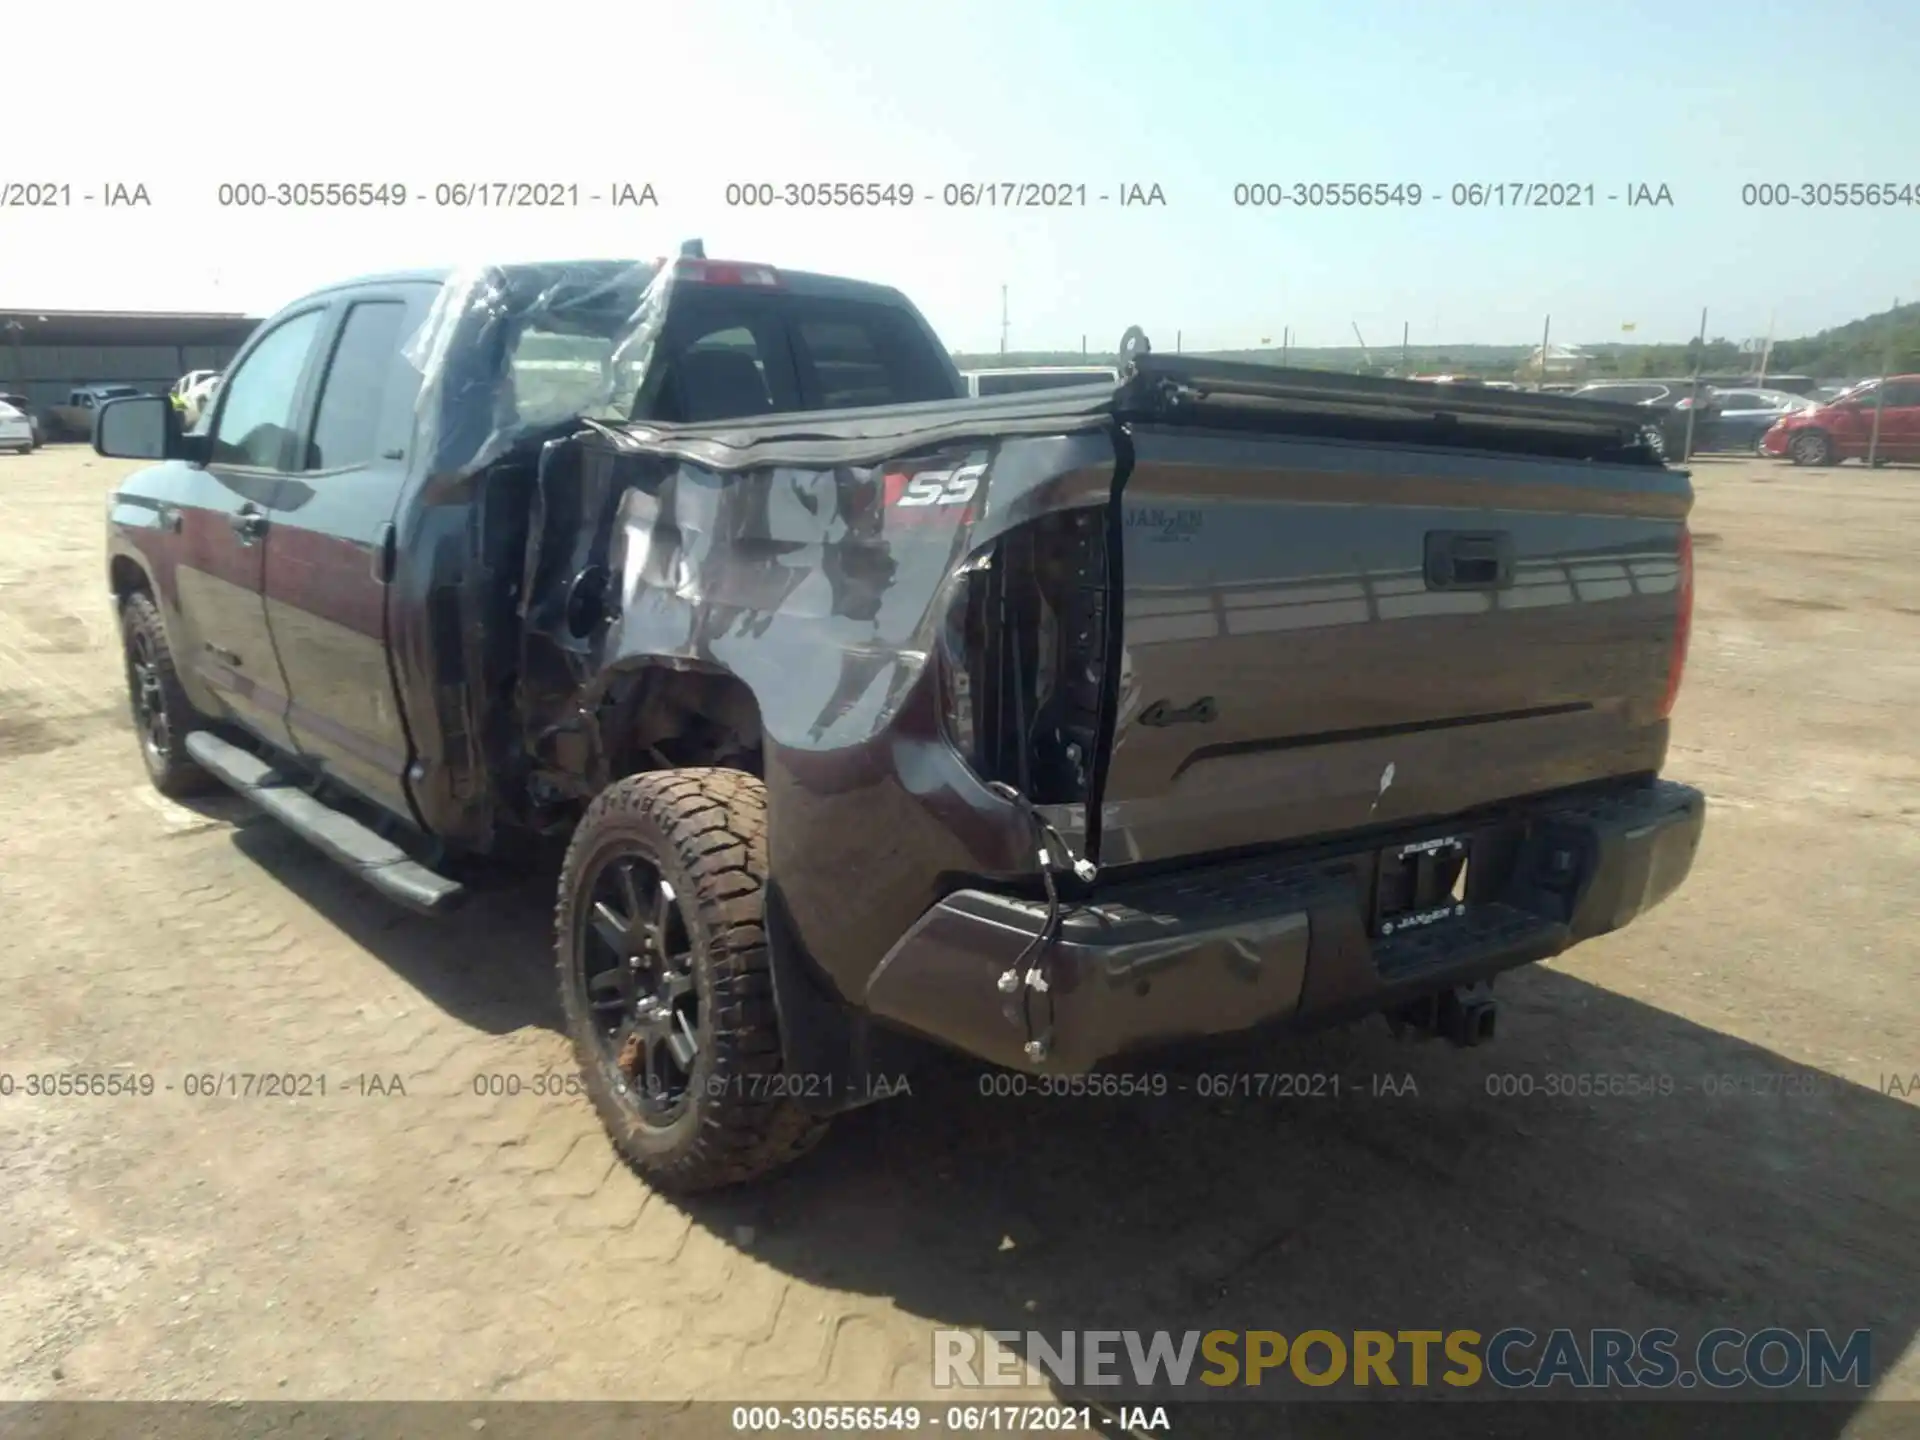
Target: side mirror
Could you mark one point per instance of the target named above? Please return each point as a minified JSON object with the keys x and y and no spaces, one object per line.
{"x":137,"y":427}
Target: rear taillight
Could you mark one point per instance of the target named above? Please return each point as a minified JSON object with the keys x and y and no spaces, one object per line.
{"x":1682,"y":626}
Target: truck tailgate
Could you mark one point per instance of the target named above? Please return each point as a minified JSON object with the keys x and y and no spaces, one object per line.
{"x":1321,"y":635}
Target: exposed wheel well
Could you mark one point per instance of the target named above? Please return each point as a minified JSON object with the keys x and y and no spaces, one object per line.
{"x":127,"y":578}
{"x":670,"y":718}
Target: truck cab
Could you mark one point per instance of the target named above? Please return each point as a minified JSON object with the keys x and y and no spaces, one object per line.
{"x":298,"y":547}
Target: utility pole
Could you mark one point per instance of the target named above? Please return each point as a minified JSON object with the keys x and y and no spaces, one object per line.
{"x":1693,"y":405}
{"x":1766,"y":353}
{"x":1880,"y":392}
{"x":1406,"y":329}
{"x":1003,"y":319}
{"x":1286,"y":342}
{"x":1546,"y":336}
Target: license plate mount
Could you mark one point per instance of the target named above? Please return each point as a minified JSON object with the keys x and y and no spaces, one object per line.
{"x":1420,"y":884}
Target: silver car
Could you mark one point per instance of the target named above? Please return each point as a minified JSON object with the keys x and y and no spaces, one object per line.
{"x":16,"y":431}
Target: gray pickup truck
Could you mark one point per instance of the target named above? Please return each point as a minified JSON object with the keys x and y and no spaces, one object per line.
{"x":1053,"y":728}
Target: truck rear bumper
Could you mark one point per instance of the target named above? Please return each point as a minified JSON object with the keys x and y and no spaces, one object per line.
{"x":1288,"y":942}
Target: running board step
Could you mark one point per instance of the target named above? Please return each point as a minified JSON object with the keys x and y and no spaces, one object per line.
{"x":371,"y":856}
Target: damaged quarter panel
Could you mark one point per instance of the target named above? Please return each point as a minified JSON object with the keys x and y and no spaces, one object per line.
{"x":795,"y":567}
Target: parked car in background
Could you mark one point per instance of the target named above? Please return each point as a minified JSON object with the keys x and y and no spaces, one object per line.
{"x":191,"y":380}
{"x":1036,"y":377}
{"x":196,"y":399}
{"x":1636,"y":392}
{"x":1802,"y":385}
{"x":1842,"y":428}
{"x":25,"y":407}
{"x":16,"y":431}
{"x":74,"y":420}
{"x":1672,"y":400}
{"x":1747,"y":415}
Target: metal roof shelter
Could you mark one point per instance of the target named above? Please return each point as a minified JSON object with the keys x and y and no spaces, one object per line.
{"x":125,"y":327}
{"x":46,"y":353}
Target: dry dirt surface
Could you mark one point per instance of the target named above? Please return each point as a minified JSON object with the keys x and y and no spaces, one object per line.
{"x":408,"y":1236}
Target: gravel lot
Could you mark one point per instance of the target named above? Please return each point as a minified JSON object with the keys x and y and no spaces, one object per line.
{"x":442,"y":1243}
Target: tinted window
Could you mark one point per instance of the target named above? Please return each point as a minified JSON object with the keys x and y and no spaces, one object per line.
{"x":256,"y":419}
{"x":847,"y":362}
{"x":348,"y":418}
{"x":1903,"y":392}
{"x":720,"y":375}
{"x":730,"y":352}
{"x":1741,"y":400}
{"x":858,"y":353}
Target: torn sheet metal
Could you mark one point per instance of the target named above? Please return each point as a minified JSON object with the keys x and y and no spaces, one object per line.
{"x":824,"y":588}
{"x":510,"y":351}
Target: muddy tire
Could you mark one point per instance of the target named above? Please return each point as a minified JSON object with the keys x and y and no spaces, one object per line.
{"x":661,"y":941}
{"x":162,"y":715}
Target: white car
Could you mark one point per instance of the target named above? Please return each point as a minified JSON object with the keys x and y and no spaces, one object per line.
{"x":16,"y":431}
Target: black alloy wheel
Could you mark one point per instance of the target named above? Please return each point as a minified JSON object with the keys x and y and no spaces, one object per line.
{"x":635,"y":965}
{"x":149,"y":700}
{"x":162,"y":714}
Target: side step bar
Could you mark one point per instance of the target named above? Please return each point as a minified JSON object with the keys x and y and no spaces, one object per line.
{"x":371,"y":856}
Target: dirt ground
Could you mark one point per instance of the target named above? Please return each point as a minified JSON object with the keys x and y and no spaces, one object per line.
{"x":445,"y":1243}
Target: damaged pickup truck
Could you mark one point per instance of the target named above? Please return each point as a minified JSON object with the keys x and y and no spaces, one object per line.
{"x":1052,"y":728}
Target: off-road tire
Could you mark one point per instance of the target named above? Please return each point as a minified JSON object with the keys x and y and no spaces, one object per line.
{"x":704,"y":831}
{"x":144,"y":642}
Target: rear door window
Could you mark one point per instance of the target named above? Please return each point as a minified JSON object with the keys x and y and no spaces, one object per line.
{"x":347,"y":419}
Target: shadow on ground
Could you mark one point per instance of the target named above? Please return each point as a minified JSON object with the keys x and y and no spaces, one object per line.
{"x":1731,"y":1187}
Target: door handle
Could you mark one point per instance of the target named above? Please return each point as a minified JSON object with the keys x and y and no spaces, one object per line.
{"x":249,"y":524}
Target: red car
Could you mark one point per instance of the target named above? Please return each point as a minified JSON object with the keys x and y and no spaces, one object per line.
{"x":1842,"y":429}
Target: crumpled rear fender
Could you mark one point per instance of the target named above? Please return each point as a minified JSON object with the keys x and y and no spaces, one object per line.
{"x":803,"y":575}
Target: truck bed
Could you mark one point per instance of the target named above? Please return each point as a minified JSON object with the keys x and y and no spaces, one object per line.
{"x":1337,"y":602}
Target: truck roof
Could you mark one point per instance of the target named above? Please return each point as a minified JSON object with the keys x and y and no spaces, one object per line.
{"x":800,"y":282}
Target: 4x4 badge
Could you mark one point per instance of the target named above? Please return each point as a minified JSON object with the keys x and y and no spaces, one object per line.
{"x":1201,"y":712}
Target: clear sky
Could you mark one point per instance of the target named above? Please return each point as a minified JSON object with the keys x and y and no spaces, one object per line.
{"x":1190,"y":95}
